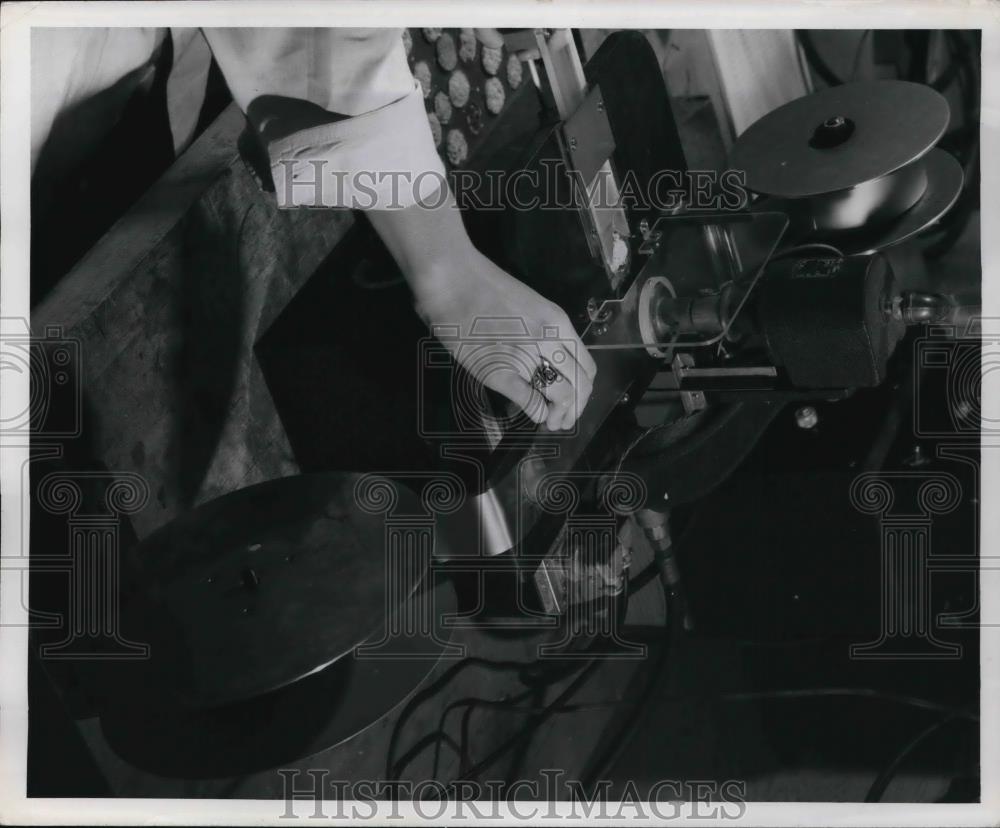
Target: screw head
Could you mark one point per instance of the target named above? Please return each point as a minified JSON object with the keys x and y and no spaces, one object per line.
{"x":806,"y":417}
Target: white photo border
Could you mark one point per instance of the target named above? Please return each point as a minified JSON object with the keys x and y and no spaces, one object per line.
{"x":17,"y":19}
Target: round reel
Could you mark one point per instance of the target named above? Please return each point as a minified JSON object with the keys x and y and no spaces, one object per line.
{"x":280,"y":621}
{"x":854,"y":164}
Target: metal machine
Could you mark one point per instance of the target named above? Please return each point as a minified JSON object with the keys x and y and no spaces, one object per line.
{"x":736,"y":308}
{"x":729,"y":309}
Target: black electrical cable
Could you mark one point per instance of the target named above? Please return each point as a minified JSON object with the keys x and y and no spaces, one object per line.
{"x":472,"y":702}
{"x":647,"y":574}
{"x":392,"y":765}
{"x":522,"y":741}
{"x":548,"y":673}
{"x":517,"y":760}
{"x":522,"y":738}
{"x":599,"y":766}
{"x":543,"y":716}
{"x":608,"y":756}
{"x":888,"y":773}
{"x":534,"y":674}
{"x":542,"y":713}
{"x":510,"y":705}
{"x":436,"y":739}
{"x":795,"y":693}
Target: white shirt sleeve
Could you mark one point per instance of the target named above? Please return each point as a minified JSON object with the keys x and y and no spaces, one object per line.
{"x":338,"y":111}
{"x":72,"y":65}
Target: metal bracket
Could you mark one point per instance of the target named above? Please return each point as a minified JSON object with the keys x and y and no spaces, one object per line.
{"x":691,"y":400}
{"x":588,"y":144}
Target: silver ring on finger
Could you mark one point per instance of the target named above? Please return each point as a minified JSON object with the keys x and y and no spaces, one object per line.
{"x":545,"y":375}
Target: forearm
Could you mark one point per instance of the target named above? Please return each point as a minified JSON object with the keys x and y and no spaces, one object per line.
{"x":338,"y":113}
{"x":514,"y":331}
{"x":428,"y":243}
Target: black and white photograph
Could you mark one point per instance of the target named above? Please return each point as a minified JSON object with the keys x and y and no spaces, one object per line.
{"x":582,"y":415}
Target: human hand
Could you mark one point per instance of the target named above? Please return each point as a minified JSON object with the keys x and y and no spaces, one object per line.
{"x":505,"y":329}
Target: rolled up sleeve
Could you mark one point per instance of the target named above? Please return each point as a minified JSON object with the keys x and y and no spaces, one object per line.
{"x":338,"y":112}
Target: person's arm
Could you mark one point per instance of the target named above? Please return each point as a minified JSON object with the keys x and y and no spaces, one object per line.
{"x":457,"y":288}
{"x":344,"y":125}
{"x":338,"y":112}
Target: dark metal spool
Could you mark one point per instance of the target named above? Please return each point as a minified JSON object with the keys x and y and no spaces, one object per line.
{"x":873,"y":202}
{"x":306,"y":717}
{"x":254,"y":606}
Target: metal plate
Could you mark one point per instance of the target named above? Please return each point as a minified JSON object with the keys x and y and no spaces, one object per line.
{"x":259,"y":588}
{"x":588,"y":136}
{"x":895,"y":123}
